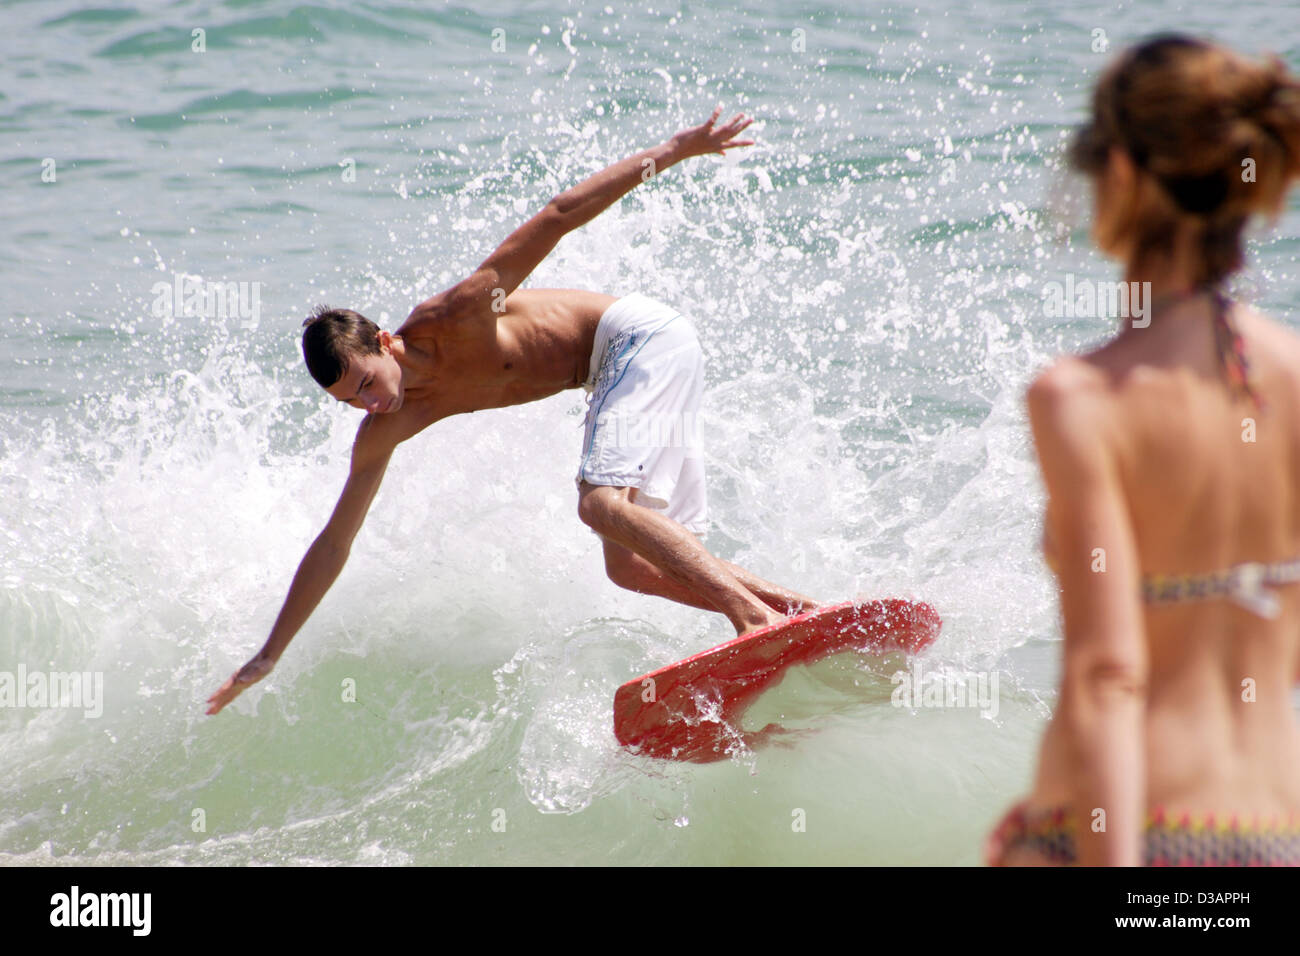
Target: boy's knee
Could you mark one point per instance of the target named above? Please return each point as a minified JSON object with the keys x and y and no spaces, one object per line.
{"x":596,"y":507}
{"x":591,"y":510}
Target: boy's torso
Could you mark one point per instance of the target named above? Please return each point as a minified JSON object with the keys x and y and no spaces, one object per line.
{"x":538,"y":345}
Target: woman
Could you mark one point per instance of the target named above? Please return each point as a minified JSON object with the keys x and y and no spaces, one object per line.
{"x":1171,"y":459}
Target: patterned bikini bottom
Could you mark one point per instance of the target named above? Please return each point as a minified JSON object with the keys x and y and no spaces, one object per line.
{"x":1036,"y":837}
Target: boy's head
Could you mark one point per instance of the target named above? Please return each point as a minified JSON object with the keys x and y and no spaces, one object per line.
{"x":352,"y":359}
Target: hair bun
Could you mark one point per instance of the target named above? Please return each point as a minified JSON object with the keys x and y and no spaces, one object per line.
{"x":1270,"y":107}
{"x":1219,"y":132}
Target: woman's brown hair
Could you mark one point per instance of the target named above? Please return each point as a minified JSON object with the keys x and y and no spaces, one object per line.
{"x":1218,"y":132}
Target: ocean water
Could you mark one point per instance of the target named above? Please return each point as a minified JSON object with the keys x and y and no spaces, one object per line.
{"x":868,"y":286}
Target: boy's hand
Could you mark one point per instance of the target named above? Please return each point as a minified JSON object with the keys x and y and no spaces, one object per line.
{"x":705,"y":138}
{"x":246,"y":676}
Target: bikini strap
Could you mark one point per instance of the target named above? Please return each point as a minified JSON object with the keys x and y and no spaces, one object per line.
{"x":1232,"y":350}
{"x":1245,"y":584}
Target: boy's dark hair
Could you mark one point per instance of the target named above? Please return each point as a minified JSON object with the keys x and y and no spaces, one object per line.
{"x":330,"y":338}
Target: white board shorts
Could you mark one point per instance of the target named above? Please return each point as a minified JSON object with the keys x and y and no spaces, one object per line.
{"x":642,"y":431}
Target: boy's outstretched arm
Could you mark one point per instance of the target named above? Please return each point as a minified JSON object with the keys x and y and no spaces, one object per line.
{"x":503,"y":271}
{"x":321,"y":565}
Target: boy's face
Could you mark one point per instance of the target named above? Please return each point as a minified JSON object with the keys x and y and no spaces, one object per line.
{"x":372,"y":383}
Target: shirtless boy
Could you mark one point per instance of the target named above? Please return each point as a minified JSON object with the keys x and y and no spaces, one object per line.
{"x":484,"y":343}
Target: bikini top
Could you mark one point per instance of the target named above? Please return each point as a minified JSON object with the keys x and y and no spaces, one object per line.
{"x":1246,"y":583}
{"x":1232,"y":350}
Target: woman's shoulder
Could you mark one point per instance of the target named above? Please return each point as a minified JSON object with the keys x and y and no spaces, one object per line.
{"x":1276,"y":338}
{"x":1068,"y":404}
{"x":1071,"y":381}
{"x":1273,"y":351}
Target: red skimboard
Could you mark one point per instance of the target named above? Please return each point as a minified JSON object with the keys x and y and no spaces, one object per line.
{"x":691,"y":710}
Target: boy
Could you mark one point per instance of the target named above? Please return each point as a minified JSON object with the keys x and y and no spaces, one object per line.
{"x":482,"y":344}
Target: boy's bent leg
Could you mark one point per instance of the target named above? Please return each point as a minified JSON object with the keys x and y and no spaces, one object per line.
{"x":676,"y":552}
{"x":773,"y":595}
{"x":629,"y":570}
